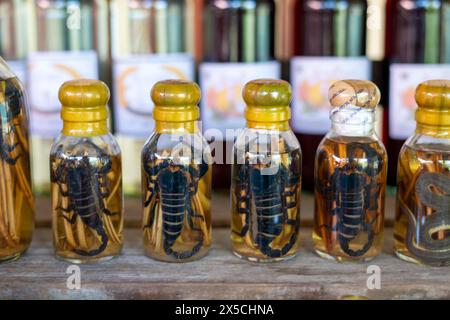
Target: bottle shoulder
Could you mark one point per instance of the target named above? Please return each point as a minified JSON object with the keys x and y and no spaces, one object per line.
{"x":172,"y":146}
{"x":426,"y":143}
{"x":85,"y":146}
{"x":275,"y":141}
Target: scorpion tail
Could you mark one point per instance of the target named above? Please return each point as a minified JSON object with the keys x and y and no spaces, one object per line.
{"x":104,"y":238}
{"x":181,"y":255}
{"x":264,"y":244}
{"x":345,"y":244}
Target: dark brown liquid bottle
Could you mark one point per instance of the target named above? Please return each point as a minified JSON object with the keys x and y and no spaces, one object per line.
{"x":418,"y":47}
{"x":238,"y":46}
{"x":329,"y":42}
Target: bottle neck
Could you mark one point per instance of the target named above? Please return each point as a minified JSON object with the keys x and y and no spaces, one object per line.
{"x":171,"y":127}
{"x":85,"y":129}
{"x":442,"y":132}
{"x":275,"y":126}
{"x":352,"y":121}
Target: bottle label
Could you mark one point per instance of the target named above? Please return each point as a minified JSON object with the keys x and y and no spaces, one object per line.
{"x":47,"y":71}
{"x":134,"y":76}
{"x":222,"y":106}
{"x":404,"y":78}
{"x":311,"y":77}
{"x":19,"y":68}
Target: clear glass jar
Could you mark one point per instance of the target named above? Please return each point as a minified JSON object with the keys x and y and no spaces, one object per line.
{"x":16,"y":197}
{"x":422,"y":223}
{"x":86,"y":177}
{"x":176,"y":177}
{"x":266,"y":177}
{"x":350,"y":177}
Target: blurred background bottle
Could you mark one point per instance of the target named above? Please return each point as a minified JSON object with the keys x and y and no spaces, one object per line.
{"x":13,"y":35}
{"x":152,"y":40}
{"x":329,"y":44}
{"x":68,"y":40}
{"x":238,"y":46}
{"x":418,"y":47}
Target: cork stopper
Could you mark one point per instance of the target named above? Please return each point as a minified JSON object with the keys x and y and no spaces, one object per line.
{"x":359,"y":93}
{"x":176,"y":101}
{"x":84,"y":100}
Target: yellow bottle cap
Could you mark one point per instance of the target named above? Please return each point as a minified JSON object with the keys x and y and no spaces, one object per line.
{"x":176,"y":101}
{"x":84,"y":107}
{"x":267,"y":103}
{"x":359,"y":93}
{"x":433,"y":100}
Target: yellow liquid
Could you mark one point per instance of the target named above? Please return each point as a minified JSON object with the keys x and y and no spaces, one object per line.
{"x":272,"y":226}
{"x":191,"y":242}
{"x":363,"y":201}
{"x":16,"y":198}
{"x":69,"y":237}
{"x":412,"y":222}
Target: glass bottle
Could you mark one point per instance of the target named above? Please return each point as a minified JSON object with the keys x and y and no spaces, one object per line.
{"x":69,"y":39}
{"x":418,"y":48}
{"x":266,"y":177}
{"x":329,"y":44}
{"x":238,"y":46}
{"x":176,"y":177}
{"x":350,"y":177}
{"x":152,"y":40}
{"x":16,"y":197}
{"x":422,"y":221}
{"x":86,"y":177}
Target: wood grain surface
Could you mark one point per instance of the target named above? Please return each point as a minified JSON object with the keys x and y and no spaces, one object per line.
{"x":39,"y":275}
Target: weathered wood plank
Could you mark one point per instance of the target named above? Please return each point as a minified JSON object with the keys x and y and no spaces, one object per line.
{"x":38,"y":275}
{"x":220,"y":210}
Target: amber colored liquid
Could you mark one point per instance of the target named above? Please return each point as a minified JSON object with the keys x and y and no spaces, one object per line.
{"x":16,"y":198}
{"x":193,"y":240}
{"x":349,"y":203}
{"x":268,"y":212}
{"x":69,"y":237}
{"x":415,"y":206}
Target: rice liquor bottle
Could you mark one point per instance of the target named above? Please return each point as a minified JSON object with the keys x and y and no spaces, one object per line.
{"x":68,"y":40}
{"x":86,"y":177}
{"x":266,"y":177}
{"x":418,"y":48}
{"x":422,"y":221}
{"x":330,"y":43}
{"x":350,"y":177}
{"x":16,"y":196}
{"x":152,"y":40}
{"x":238,"y":46}
{"x":176,"y":177}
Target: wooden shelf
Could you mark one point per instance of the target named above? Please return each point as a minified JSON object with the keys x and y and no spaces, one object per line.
{"x":220,"y":275}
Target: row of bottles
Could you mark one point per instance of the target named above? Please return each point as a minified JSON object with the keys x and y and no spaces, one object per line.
{"x":350,"y":176}
{"x":233,"y":42}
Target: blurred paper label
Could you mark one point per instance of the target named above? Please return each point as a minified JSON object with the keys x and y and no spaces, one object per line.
{"x":19,"y":68}
{"x":222,"y":106}
{"x":47,"y":71}
{"x":134,"y":77}
{"x":311,"y":77}
{"x":404,"y":78}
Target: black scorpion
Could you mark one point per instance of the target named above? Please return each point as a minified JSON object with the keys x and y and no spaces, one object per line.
{"x":420,"y":241}
{"x":269,"y":194}
{"x":174,"y":186}
{"x":354,"y":191}
{"x":85,"y":177}
{"x":9,"y":111}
